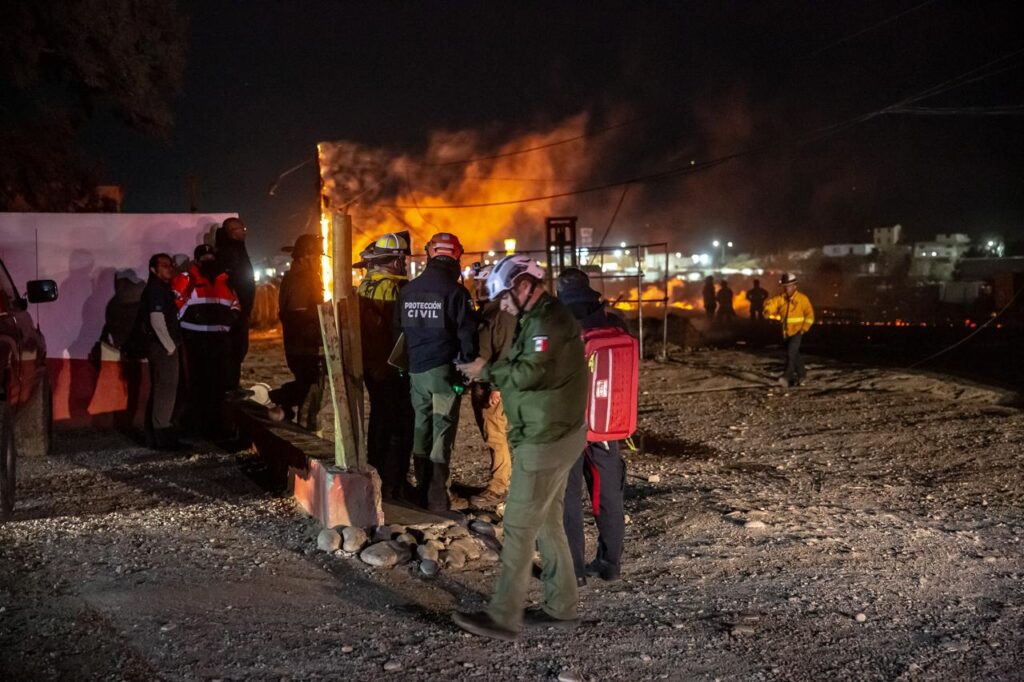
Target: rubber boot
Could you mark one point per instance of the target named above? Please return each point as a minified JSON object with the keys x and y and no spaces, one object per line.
{"x":437,"y":489}
{"x":423,"y":469}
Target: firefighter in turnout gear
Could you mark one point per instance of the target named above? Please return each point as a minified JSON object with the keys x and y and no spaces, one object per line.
{"x":207,"y":309}
{"x":793,"y":309}
{"x":436,"y":316}
{"x":543,"y":382}
{"x":389,"y":436}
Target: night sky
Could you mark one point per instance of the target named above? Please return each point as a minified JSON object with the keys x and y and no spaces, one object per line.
{"x":266,"y":80}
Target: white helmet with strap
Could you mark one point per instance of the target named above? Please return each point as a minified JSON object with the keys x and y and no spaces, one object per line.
{"x":507,"y":270}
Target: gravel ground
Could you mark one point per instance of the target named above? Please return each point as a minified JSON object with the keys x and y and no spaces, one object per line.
{"x":865,"y":526}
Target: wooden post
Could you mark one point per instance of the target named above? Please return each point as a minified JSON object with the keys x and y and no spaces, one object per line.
{"x":345,"y":363}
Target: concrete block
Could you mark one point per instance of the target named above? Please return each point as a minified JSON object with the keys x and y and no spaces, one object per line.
{"x":336,"y":497}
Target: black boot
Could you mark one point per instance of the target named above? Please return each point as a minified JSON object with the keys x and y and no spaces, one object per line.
{"x":437,"y":490}
{"x":423,"y":469}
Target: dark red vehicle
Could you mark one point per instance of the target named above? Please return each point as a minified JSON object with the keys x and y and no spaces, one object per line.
{"x":26,"y":410}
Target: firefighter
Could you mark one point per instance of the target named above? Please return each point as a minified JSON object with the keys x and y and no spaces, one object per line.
{"x":497,"y":329}
{"x":389,"y":437}
{"x":300,"y":294}
{"x":601,"y":464}
{"x":543,"y":384}
{"x":207,"y":308}
{"x":439,"y":325}
{"x":794,"y":310}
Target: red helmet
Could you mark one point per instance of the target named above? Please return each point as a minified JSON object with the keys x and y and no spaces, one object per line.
{"x":444,"y":244}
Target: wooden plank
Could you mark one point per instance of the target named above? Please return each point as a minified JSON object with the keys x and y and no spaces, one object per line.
{"x":344,"y":434}
{"x":352,"y":364}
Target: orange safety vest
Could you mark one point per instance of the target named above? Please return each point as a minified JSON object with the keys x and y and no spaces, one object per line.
{"x":205,"y":306}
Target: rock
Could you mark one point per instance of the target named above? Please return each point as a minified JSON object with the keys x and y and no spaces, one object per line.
{"x":436,"y":544}
{"x":429,"y":568}
{"x":354,"y":539}
{"x":328,"y":540}
{"x":483,"y":527}
{"x":654,"y":478}
{"x":347,"y":649}
{"x":406,"y":539}
{"x":489,"y":555}
{"x":387,"y":532}
{"x":569,"y":676}
{"x":392,"y":666}
{"x":860,"y":618}
{"x":468,"y":546}
{"x":427,"y":552}
{"x":384,"y":554}
{"x":754,"y":523}
{"x":456,"y":532}
{"x":742,"y":630}
{"x":454,"y":558}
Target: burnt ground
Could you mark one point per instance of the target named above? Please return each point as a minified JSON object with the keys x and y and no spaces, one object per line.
{"x":893,"y":495}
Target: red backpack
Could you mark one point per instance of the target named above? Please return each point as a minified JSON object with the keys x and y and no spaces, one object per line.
{"x":613,"y":358}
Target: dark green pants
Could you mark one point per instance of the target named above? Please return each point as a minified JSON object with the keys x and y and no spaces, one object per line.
{"x":436,"y":406}
{"x":533,"y":518}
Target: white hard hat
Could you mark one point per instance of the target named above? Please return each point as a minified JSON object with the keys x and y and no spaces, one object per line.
{"x":506,"y":271}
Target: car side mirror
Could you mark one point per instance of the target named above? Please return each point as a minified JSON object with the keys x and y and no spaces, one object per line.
{"x":42,"y":291}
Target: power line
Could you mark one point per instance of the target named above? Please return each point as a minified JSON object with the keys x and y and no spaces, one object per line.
{"x":871,"y":28}
{"x":1010,"y":110}
{"x":567,"y":140}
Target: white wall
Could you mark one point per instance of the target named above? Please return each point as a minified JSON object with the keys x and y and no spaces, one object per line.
{"x":81,"y":251}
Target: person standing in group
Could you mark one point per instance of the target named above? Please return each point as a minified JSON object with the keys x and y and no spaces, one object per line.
{"x":543,"y":383}
{"x":710,"y":302}
{"x":158,"y":320}
{"x":756,"y":296}
{"x":793,"y":309}
{"x":437,"y":319}
{"x":207,"y":308}
{"x":389,"y":436}
{"x":601,"y":464}
{"x":497,"y":328}
{"x":299,"y":296}
{"x":726,"y":313}
{"x":233,"y":257}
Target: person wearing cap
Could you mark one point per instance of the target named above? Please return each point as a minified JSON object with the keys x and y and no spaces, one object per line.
{"x":543,"y":383}
{"x":496,"y":330}
{"x":233,"y":257}
{"x":389,"y":435}
{"x":207,"y":308}
{"x":793,"y":309}
{"x":600,"y":465}
{"x":300,"y":294}
{"x":436,"y":316}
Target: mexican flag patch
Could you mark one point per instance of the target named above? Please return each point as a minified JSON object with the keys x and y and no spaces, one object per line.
{"x":540,"y":344}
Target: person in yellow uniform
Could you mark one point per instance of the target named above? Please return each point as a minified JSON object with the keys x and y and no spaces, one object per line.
{"x":793,"y":309}
{"x":389,"y":436}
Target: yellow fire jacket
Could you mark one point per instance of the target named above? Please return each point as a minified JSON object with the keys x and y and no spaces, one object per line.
{"x":795,"y":312}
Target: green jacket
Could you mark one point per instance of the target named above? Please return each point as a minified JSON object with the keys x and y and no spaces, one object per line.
{"x":543,"y":376}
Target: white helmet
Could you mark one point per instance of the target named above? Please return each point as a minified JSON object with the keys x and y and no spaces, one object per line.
{"x":506,"y":271}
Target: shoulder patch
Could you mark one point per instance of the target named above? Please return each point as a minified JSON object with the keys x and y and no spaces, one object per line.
{"x":540,"y":344}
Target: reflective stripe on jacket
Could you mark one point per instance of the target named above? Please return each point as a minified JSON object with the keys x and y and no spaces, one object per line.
{"x":205,"y":306}
{"x":795,"y":312}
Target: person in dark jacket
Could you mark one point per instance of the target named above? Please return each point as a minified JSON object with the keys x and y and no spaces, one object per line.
{"x":726,"y":312}
{"x":756,"y":296}
{"x":300,"y":294}
{"x":389,"y":434}
{"x":601,"y":465}
{"x":436,"y":316}
{"x":234,"y":259}
{"x":158,"y":318}
{"x":710,"y":302}
{"x":207,"y":309}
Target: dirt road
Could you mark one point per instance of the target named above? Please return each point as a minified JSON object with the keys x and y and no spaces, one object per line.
{"x":866,"y":526}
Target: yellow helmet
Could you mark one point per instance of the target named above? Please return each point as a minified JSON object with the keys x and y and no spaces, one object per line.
{"x":390,"y":245}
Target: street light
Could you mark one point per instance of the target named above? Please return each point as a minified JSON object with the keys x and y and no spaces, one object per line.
{"x":722,"y":246}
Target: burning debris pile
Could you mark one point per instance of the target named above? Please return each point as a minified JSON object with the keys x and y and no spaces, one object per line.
{"x":432,"y":546}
